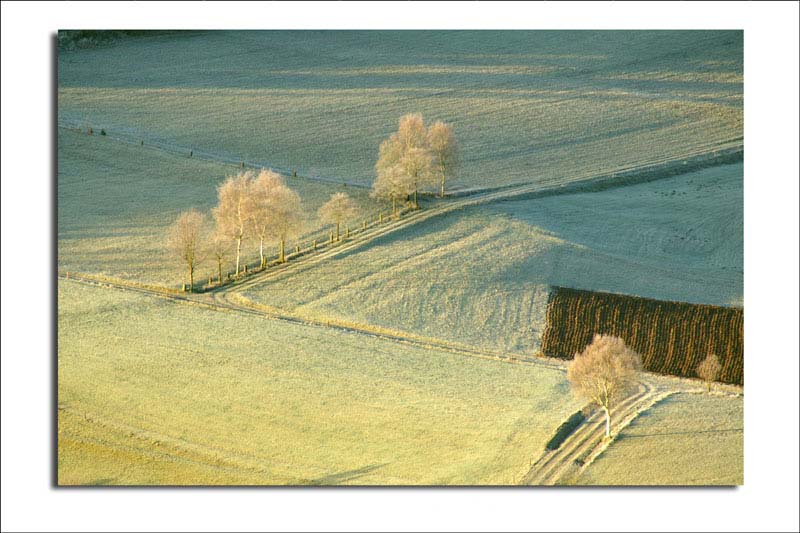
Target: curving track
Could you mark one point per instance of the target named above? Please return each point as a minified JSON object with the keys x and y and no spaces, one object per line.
{"x":587,"y":441}
{"x":579,"y":448}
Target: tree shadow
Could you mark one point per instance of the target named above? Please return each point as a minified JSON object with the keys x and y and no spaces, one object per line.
{"x":348,"y":475}
{"x":731,"y":430}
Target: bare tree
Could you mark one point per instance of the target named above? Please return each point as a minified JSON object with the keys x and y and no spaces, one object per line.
{"x":392,"y":185}
{"x":416,"y":167}
{"x":708,"y":370}
{"x":338,"y":209}
{"x":411,"y":132}
{"x":389,"y":154}
{"x":404,"y":161}
{"x":444,"y":149}
{"x":259,"y":207}
{"x":219,"y":247}
{"x":285,"y":208}
{"x":604,"y":373}
{"x":231,"y":214}
{"x":185,"y":238}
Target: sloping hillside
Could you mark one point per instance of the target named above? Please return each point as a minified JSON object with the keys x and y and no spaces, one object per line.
{"x":526,"y":105}
{"x":481,"y":276}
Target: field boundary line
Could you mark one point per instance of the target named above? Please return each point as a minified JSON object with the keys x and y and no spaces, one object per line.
{"x":531,"y":190}
{"x":226,"y":305}
{"x":204,"y":155}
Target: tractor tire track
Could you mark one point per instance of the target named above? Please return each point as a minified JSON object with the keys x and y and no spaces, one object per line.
{"x":586,"y":442}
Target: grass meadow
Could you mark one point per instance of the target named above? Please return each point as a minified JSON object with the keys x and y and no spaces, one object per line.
{"x":152,"y":392}
{"x":156,"y":392}
{"x":687,"y":439}
{"x":117,"y":200}
{"x":480,"y":276}
{"x":543,"y":106}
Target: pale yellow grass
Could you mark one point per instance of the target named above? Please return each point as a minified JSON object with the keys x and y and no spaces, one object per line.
{"x":688,"y":439}
{"x":156,"y":392}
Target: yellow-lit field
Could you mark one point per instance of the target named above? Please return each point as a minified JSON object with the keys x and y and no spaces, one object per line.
{"x":157,"y":392}
{"x":688,"y":439}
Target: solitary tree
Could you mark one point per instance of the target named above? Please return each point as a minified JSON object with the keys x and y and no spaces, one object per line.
{"x":285,"y":208}
{"x":231,"y":213}
{"x":604,"y":373}
{"x":336,"y":210}
{"x":708,"y":370}
{"x":259,"y":207}
{"x":444,"y":149}
{"x":219,"y":247}
{"x":185,"y":237}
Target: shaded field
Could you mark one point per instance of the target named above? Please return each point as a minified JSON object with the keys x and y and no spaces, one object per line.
{"x":481,"y":276}
{"x":672,"y":337}
{"x":116,"y":201}
{"x":527,"y":106}
{"x":687,"y":439}
{"x":155,"y":392}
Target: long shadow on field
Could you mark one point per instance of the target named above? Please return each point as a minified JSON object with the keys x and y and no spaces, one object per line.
{"x":349,"y":475}
{"x":657,"y":434}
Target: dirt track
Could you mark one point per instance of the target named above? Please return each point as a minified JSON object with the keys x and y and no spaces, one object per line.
{"x":580,"y":448}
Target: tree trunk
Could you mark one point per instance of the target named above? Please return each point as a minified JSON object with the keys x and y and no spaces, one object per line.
{"x":219,"y":269}
{"x":394,"y":205}
{"x":191,"y":277}
{"x":281,"y":256}
{"x":416,"y":205}
{"x":337,"y":231}
{"x":261,"y":250}
{"x":441,"y":195}
{"x":608,"y":422}
{"x":238,"y":249}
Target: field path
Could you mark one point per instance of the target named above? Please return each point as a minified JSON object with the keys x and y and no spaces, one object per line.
{"x":219,"y":302}
{"x":587,"y":441}
{"x":623,"y":177}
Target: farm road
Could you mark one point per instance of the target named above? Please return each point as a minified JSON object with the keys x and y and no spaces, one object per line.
{"x":204,"y":155}
{"x":218,"y":303}
{"x":587,"y":441}
{"x":621,"y":177}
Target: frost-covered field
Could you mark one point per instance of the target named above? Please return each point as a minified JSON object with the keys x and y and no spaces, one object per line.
{"x":151,"y":391}
{"x":116,"y":201}
{"x":156,"y":392}
{"x":527,"y":106}
{"x":688,"y":439}
{"x":480,"y":276}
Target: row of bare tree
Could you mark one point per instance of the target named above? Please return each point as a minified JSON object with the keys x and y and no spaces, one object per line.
{"x":414,"y":157}
{"x":259,"y":207}
{"x":262,"y":207}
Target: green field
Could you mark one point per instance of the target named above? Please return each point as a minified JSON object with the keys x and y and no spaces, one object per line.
{"x":480,"y":276}
{"x":155,"y":392}
{"x":116,"y":201}
{"x":688,"y":439}
{"x":542,"y":106}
